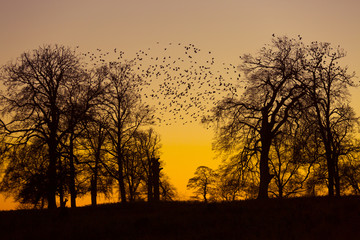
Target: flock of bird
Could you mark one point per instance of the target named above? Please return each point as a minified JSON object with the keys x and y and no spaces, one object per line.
{"x":181,"y":81}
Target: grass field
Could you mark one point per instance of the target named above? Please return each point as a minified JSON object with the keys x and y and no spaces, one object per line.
{"x":300,"y":218}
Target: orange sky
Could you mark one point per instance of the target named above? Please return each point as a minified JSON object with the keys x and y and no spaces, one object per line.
{"x":227,"y":28}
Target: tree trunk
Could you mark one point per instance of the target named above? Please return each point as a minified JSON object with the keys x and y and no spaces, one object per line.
{"x":149,"y":189}
{"x":337,"y":177}
{"x":131,"y":193}
{"x":150,"y":195}
{"x":61,"y":186}
{"x":72,"y":172}
{"x":93,"y":191}
{"x":331,"y":171}
{"x":265,"y":176}
{"x":281,"y":191}
{"x":51,"y":175}
{"x":94,"y":180}
{"x":205,"y":193}
{"x":121,"y":180}
{"x":53,"y":156}
{"x":156,"y":178}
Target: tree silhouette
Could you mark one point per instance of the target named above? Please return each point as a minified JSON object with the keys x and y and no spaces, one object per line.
{"x":93,"y":145}
{"x":25,"y":176}
{"x":36,"y":84}
{"x":237,"y":176}
{"x":328,"y":91}
{"x":285,"y":129}
{"x":80,"y":100}
{"x":203,"y":182}
{"x":167,"y":190}
{"x":90,"y":120}
{"x":273,"y":89}
{"x":122,"y":103}
{"x":288,"y":163}
{"x":350,"y":171}
{"x":148,"y":145}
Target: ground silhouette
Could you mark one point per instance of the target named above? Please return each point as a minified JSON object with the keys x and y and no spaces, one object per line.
{"x":298,"y":218}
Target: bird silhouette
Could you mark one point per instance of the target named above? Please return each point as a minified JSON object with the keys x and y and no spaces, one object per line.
{"x":179,"y":81}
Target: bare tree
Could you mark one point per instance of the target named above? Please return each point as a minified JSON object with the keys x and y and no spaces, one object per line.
{"x":133,"y":171}
{"x":289,"y":160}
{"x":328,"y":91}
{"x":34,"y":101}
{"x":126,"y":115}
{"x":81,"y":100}
{"x":350,"y":173}
{"x":203,"y":182}
{"x":346,"y":149}
{"x":148,"y":146}
{"x":167,"y":190}
{"x":274,"y":86}
{"x":238,"y":175}
{"x":25,"y":176}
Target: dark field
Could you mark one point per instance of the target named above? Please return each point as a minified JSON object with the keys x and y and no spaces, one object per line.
{"x":301,"y":218}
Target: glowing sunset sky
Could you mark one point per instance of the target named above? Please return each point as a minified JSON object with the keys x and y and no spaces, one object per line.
{"x":227,"y":28}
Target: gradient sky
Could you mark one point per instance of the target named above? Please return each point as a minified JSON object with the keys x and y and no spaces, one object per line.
{"x":227,"y":28}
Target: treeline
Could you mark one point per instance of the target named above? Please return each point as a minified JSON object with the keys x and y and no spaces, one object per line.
{"x":68,"y":130}
{"x":286,"y":128}
{"x":292,"y":130}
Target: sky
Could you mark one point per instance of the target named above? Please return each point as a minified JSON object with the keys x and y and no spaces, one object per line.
{"x":228,"y":28}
